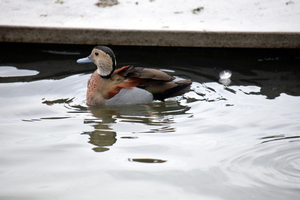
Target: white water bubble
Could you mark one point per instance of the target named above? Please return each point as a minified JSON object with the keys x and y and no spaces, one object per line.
{"x":225,"y":77}
{"x":225,"y":74}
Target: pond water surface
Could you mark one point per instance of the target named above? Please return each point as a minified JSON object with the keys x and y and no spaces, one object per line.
{"x":240,"y":141}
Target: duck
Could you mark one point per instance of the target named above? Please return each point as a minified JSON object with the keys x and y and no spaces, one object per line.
{"x":128,"y":84}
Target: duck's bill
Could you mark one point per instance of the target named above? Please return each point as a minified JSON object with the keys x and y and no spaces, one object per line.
{"x":84,"y":60}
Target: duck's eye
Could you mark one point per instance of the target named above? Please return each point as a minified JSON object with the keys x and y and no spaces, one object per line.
{"x":96,"y":53}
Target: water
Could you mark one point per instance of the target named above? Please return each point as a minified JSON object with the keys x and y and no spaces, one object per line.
{"x":235,"y":141}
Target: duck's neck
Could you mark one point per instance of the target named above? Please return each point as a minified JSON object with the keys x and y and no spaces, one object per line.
{"x":105,"y":77}
{"x":105,"y":71}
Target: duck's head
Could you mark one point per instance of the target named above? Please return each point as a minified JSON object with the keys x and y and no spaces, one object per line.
{"x":104,"y":58}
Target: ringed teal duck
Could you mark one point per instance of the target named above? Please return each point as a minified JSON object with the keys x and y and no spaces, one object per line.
{"x":127,"y":85}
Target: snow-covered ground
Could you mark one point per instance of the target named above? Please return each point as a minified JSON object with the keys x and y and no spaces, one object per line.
{"x":195,"y":15}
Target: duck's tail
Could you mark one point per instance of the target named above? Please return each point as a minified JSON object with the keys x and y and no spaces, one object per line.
{"x":181,"y":87}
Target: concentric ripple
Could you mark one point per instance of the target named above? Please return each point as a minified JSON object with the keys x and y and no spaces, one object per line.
{"x":274,"y":163}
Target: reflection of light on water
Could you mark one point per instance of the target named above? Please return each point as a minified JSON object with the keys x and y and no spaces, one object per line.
{"x":225,"y":81}
{"x":213,"y":92}
{"x":61,"y":52}
{"x":11,"y":71}
{"x":187,"y":127}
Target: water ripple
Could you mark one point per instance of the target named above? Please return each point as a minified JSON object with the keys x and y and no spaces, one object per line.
{"x":274,"y":163}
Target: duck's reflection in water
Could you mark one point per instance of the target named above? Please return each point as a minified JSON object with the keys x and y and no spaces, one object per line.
{"x":102,"y":139}
{"x":157,"y":114}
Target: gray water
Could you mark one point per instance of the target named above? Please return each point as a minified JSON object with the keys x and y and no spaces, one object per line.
{"x":240,"y":141}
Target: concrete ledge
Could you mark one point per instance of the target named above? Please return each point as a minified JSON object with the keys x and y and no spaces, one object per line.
{"x":27,"y":34}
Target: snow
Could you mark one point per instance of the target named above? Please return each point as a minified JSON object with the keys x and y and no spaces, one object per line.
{"x":213,"y":15}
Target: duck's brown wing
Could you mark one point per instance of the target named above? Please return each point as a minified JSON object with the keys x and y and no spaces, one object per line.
{"x":152,"y":80}
{"x":144,"y":73}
